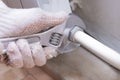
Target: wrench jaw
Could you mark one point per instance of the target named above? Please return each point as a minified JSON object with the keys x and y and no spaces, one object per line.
{"x":68,"y":44}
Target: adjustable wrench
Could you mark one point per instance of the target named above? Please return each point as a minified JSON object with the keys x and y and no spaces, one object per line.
{"x":56,"y":37}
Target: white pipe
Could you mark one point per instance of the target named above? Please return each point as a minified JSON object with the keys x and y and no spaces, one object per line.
{"x":99,"y":49}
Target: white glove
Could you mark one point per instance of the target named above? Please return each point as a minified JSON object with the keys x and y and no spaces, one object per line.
{"x":19,"y":22}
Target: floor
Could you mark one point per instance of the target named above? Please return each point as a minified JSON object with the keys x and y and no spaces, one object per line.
{"x":23,"y":74}
{"x":78,"y":65}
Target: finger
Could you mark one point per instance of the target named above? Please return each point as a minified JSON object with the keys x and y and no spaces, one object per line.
{"x":2,"y":4}
{"x":26,"y":53}
{"x":38,"y":54}
{"x":14,"y":55}
{"x":50,"y":52}
{"x":53,"y":19}
{"x":41,"y":20}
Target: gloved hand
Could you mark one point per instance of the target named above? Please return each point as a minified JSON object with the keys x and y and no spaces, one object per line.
{"x":20,"y":22}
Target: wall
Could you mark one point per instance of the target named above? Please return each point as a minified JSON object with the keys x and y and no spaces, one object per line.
{"x":102,"y":18}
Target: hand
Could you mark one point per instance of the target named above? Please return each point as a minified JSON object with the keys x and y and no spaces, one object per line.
{"x":20,"y":22}
{"x":21,"y":54}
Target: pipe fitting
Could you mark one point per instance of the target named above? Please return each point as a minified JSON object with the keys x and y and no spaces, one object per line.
{"x":72,"y":32}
